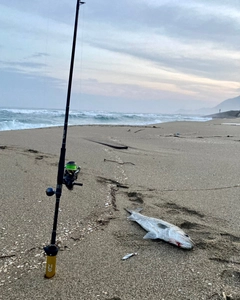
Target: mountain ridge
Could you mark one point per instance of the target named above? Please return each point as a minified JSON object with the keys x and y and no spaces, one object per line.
{"x":231,"y":104}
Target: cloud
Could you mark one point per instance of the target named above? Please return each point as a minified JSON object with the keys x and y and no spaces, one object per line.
{"x":133,"y":50}
{"x":19,"y":89}
{"x":39,"y":54}
{"x":60,"y":11}
{"x":195,"y":38}
{"x":216,"y":64}
{"x":26,"y":64}
{"x":195,"y":20}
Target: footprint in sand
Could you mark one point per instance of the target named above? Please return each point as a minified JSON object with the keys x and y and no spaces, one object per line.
{"x":135,"y":197}
{"x":231,"y":277}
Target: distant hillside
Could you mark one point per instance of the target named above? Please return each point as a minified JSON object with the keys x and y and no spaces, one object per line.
{"x":226,"y":105}
{"x":229,"y":104}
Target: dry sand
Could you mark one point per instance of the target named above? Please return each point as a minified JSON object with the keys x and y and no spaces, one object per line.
{"x":186,"y":173}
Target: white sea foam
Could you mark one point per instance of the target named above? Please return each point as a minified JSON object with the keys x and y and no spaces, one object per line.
{"x":15,"y":119}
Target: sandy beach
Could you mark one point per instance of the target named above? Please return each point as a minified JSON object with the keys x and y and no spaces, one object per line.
{"x":186,"y":173}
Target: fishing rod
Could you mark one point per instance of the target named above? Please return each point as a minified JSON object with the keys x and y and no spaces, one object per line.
{"x":66,"y":174}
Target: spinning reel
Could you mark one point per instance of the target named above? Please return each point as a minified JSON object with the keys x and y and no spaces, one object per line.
{"x":71,"y":171}
{"x":71,"y":174}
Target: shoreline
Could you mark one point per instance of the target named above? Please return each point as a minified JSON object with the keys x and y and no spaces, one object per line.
{"x":189,"y":179}
{"x":22,"y":119}
{"x":217,"y":121}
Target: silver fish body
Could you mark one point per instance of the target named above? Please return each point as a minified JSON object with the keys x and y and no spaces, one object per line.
{"x":159,"y":229}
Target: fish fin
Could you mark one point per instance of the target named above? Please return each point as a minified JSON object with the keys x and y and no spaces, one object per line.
{"x":134,"y":210}
{"x":131,"y":218}
{"x":150,"y":235}
{"x":162,"y":226}
{"x":128,"y":210}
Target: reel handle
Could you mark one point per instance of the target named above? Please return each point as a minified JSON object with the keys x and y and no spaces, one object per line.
{"x":78,"y":183}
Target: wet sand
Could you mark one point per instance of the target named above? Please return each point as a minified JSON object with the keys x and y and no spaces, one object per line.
{"x":186,"y":173}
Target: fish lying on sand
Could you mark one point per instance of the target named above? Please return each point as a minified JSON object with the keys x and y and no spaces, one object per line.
{"x":159,"y":229}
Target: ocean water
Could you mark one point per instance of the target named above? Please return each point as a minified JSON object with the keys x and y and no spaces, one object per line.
{"x":16,"y":119}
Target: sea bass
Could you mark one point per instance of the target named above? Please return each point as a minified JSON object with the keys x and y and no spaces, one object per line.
{"x":159,"y":229}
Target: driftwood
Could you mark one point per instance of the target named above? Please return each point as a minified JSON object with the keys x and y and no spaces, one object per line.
{"x":115,"y":146}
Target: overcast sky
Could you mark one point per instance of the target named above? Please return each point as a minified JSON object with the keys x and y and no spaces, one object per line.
{"x":131,"y":55}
